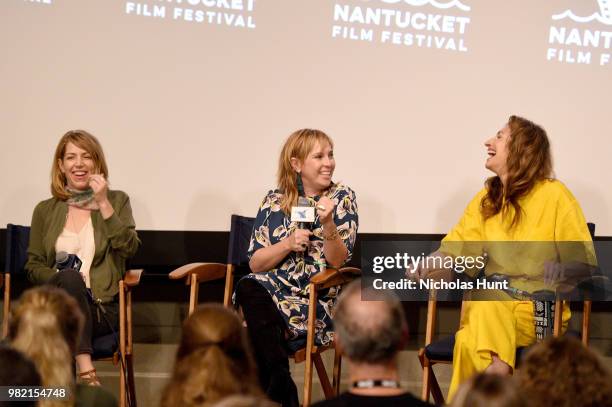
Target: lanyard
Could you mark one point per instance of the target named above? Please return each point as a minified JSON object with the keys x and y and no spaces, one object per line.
{"x":369,"y":384}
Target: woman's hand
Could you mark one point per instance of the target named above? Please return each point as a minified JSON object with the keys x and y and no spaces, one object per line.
{"x":416,"y":272}
{"x":419,"y":271}
{"x":299,"y":240}
{"x":325,"y":210}
{"x":99,"y":185}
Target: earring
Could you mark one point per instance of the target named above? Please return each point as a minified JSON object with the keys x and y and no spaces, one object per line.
{"x":300,"y":184}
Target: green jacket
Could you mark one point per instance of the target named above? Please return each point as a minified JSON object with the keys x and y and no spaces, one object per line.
{"x":116,"y":240}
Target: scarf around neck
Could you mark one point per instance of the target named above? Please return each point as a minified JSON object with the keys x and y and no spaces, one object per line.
{"x":82,"y":199}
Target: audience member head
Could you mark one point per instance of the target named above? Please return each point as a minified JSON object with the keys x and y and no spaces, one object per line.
{"x":17,"y":370}
{"x":563,"y":372}
{"x":305,"y":152}
{"x":46,"y":325}
{"x":489,"y":390}
{"x":213,"y":360}
{"x":521,"y":157}
{"x":369,"y":331}
{"x":76,"y":150}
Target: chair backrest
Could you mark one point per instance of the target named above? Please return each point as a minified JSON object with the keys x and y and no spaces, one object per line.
{"x":17,"y":241}
{"x":591,"y":227}
{"x":240,"y":237}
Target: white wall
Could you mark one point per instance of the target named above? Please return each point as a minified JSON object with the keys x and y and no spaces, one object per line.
{"x":192,"y":115}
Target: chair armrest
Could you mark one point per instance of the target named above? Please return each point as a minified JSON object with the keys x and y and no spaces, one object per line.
{"x":332,"y":277}
{"x":204,"y":271}
{"x":352,"y":271}
{"x":325,"y":276}
{"x":132,"y":277}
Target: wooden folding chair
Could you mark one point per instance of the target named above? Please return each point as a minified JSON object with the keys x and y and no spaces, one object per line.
{"x":5,"y":283}
{"x":441,"y":351}
{"x":240,"y":235}
{"x":105,"y":348}
{"x":311,"y":353}
{"x":17,"y":240}
{"x":197,"y":273}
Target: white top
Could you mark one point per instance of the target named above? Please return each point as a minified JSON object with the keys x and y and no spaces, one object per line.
{"x":82,"y":244}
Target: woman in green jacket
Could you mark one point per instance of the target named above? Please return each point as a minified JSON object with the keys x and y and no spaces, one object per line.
{"x":83,"y":218}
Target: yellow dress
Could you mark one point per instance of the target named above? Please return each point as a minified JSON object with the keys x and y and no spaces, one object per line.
{"x":550,"y":213}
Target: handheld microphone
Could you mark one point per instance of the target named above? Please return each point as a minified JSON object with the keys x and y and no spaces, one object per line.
{"x":303,"y":212}
{"x":65,"y":261}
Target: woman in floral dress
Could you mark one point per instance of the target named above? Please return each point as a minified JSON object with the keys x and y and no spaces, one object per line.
{"x":285,"y":255}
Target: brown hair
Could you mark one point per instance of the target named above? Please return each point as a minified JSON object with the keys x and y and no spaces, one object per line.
{"x":46,"y":326}
{"x":299,"y":144}
{"x":213,"y":360}
{"x":529,"y":161}
{"x":87,"y":142}
{"x":489,"y":390}
{"x":562,"y":372}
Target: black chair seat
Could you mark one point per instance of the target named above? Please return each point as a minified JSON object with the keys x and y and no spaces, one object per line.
{"x":104,"y":346}
{"x":441,"y":350}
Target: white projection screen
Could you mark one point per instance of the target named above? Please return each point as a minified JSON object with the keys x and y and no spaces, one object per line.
{"x":193,"y":99}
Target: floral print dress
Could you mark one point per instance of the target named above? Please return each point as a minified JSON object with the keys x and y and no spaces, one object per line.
{"x":288,"y":282}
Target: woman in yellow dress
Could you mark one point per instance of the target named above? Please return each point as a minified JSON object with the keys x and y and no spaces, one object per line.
{"x":521,"y":203}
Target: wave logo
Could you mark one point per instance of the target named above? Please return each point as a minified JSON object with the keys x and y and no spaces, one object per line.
{"x":434,"y":3}
{"x":583,"y":44}
{"x":604,"y":15}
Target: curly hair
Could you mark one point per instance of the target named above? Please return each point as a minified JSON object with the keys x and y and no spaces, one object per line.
{"x":562,"y":372}
{"x":213,"y":360}
{"x":529,"y":161}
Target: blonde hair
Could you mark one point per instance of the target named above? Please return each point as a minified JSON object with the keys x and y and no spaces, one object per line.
{"x":213,"y":360}
{"x":299,"y":144}
{"x":85,"y":141}
{"x":46,"y":326}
